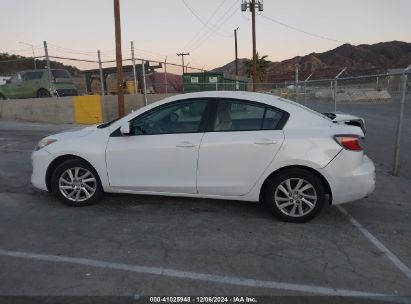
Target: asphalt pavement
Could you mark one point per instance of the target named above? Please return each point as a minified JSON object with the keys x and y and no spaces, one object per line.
{"x":138,"y":246}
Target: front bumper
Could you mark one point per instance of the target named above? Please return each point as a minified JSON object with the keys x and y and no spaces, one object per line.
{"x":40,"y":160}
{"x":351,"y":176}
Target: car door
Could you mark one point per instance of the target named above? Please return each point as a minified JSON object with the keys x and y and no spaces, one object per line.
{"x":161,"y":153}
{"x":242,"y":141}
{"x":32,"y":83}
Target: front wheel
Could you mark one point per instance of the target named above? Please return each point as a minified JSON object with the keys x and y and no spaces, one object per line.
{"x":295,"y":195}
{"x":75,"y":183}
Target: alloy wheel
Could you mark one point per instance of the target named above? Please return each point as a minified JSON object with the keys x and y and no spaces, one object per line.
{"x":295,"y":197}
{"x":77,"y":184}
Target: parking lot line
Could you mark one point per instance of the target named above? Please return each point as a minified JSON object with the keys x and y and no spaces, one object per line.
{"x":239,"y":281}
{"x":391,"y":256}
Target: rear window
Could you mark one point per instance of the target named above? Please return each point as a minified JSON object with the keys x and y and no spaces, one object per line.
{"x":60,"y":74}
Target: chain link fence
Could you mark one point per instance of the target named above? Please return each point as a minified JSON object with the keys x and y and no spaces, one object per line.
{"x":383,"y":101}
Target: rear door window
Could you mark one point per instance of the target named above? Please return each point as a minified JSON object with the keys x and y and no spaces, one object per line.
{"x":233,"y":115}
{"x":60,"y":74}
{"x":33,"y":75}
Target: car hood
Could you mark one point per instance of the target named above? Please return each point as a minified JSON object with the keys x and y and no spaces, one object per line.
{"x":74,"y":133}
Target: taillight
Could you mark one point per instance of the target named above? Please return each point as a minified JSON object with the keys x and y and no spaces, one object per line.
{"x":349,"y":142}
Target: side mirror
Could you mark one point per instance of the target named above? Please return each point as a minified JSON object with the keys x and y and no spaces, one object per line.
{"x":125,"y":129}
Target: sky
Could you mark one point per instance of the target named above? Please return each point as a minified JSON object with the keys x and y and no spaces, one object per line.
{"x":204,"y":28}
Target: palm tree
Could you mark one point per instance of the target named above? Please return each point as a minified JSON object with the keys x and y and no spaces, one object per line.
{"x":262,"y":65}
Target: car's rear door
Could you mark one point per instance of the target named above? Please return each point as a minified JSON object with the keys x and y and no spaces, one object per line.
{"x":242,"y":141}
{"x":32,"y":83}
{"x":161,"y":153}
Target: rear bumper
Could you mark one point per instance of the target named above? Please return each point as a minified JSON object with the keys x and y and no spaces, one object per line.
{"x":351,"y":176}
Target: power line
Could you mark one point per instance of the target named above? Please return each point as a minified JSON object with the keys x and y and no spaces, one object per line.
{"x":73,"y":59}
{"x":199,"y":18}
{"x":301,"y":31}
{"x":218,"y":25}
{"x":56,"y":50}
{"x":71,"y":49}
{"x":25,"y":50}
{"x":204,"y":26}
{"x":61,"y":49}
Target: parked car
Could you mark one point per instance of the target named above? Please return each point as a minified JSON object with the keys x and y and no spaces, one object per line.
{"x":35,"y":83}
{"x":232,"y":145}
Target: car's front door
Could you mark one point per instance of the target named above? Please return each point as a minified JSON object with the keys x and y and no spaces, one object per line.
{"x":243,"y":140}
{"x":161,"y":153}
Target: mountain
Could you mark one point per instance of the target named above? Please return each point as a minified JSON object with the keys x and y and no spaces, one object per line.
{"x":10,"y":64}
{"x":360,"y":60}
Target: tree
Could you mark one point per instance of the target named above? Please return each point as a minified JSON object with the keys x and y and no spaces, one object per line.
{"x":10,"y":64}
{"x":262,"y":65}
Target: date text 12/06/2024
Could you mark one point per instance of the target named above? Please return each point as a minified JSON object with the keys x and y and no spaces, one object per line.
{"x":238,"y":299}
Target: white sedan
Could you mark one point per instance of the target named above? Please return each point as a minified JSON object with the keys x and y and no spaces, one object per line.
{"x":221,"y":145}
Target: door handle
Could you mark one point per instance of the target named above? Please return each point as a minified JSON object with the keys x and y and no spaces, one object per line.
{"x":265,"y":141}
{"x":185,"y":144}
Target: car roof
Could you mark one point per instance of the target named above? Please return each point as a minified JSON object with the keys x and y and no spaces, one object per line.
{"x":299,"y":114}
{"x":266,"y":98}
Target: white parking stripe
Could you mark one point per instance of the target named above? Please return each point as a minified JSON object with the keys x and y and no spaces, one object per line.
{"x":310,"y":289}
{"x":391,"y":256}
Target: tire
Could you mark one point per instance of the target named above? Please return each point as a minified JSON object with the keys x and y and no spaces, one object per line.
{"x":82,"y":187}
{"x":42,"y":93}
{"x":302,"y":203}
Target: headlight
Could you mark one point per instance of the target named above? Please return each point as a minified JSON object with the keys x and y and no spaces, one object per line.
{"x":44,"y":142}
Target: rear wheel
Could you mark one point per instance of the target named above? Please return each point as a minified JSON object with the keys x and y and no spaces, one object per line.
{"x":76,"y":183}
{"x":295,"y":195}
{"x":43,"y":93}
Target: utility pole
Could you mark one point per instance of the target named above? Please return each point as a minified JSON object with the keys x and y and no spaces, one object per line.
{"x":165,"y":75}
{"x":101,"y":72}
{"x":236,"y":53}
{"x":252,"y":5}
{"x":143,"y":67}
{"x":133,"y":60}
{"x":119,"y":58}
{"x":182,"y":59}
{"x":46,"y":53}
{"x":187,"y":67}
{"x":32,"y":49}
